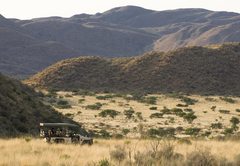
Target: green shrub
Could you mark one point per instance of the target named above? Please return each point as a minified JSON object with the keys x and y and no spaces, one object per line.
{"x":207,"y":133}
{"x":111,"y":113}
{"x":216,"y":125}
{"x":182,"y":105}
{"x":156,"y":115}
{"x":234,"y":120}
{"x":189,"y":117}
{"x":153,"y":108}
{"x":181,"y":114}
{"x":224,"y":111}
{"x":62,"y":102}
{"x":104,"y":133}
{"x":125,"y":131}
{"x":228,"y":131}
{"x":93,"y":107}
{"x":81,"y":100}
{"x":176,"y":110}
{"x":104,"y":162}
{"x":213,"y":108}
{"x":192,"y":131}
{"x":27,"y":139}
{"x":237,"y":110}
{"x":188,"y":110}
{"x":230,"y":100}
{"x":189,"y":101}
{"x":166,"y":111}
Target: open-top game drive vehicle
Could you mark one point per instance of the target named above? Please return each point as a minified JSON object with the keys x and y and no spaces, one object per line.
{"x":64,"y":133}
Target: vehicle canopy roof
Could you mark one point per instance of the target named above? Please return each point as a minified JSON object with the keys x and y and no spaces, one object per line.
{"x":59,"y":124}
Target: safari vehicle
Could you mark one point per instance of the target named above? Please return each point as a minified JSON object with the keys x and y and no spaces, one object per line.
{"x":64,"y":133}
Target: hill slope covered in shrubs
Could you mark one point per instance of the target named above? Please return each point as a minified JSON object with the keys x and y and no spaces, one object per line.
{"x":192,"y":69}
{"x":21,"y":110}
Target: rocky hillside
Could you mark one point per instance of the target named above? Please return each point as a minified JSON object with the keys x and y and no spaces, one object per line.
{"x":193,"y":69}
{"x":21,"y":109}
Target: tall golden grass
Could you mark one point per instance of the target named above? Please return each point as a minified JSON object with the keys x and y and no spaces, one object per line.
{"x":37,"y":152}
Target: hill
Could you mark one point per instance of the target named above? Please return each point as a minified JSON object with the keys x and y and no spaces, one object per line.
{"x":22,"y":53}
{"x":29,"y":46}
{"x":21,"y":109}
{"x":194,"y":69}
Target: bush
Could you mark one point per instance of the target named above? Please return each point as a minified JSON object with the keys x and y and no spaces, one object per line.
{"x":104,"y":133}
{"x":188,"y":110}
{"x":156,"y":115}
{"x":176,"y":110}
{"x":182,"y":105}
{"x":224,"y":111}
{"x":111,"y":113}
{"x":213,"y":108}
{"x":27,"y":139}
{"x":237,"y":110}
{"x":192,"y":131}
{"x":216,"y":125}
{"x":234,"y":120}
{"x":153,"y":108}
{"x":104,"y":162}
{"x":228,"y":131}
{"x":189,"y":117}
{"x":230,"y":100}
{"x":62,"y":102}
{"x":93,"y":107}
{"x":166,"y":111}
{"x":181,"y":114}
{"x":81,"y":100}
{"x":189,"y":101}
{"x":125,"y":131}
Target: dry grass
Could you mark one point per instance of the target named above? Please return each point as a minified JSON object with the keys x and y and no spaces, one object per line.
{"x":37,"y":152}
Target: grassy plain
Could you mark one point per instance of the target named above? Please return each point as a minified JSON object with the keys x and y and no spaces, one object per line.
{"x":37,"y":152}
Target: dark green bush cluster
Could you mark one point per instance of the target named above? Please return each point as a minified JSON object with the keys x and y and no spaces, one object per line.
{"x":189,"y":101}
{"x":93,"y":107}
{"x":165,"y":111}
{"x":188,"y":110}
{"x":84,"y":92}
{"x":153,"y":108}
{"x":182,"y":105}
{"x":111,"y":113}
{"x":104,"y":97}
{"x":189,"y":117}
{"x":227,"y":99}
{"x":156,"y":115}
{"x":224,"y":111}
{"x":216,"y":125}
{"x":192,"y":131}
{"x":129,"y":113}
{"x":81,"y":100}
{"x":63,"y":105}
{"x":152,"y":133}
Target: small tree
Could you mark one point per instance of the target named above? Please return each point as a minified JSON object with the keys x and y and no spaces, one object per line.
{"x":234,"y":121}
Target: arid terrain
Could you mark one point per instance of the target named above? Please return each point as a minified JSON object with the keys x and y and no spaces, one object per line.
{"x":92,"y":122}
